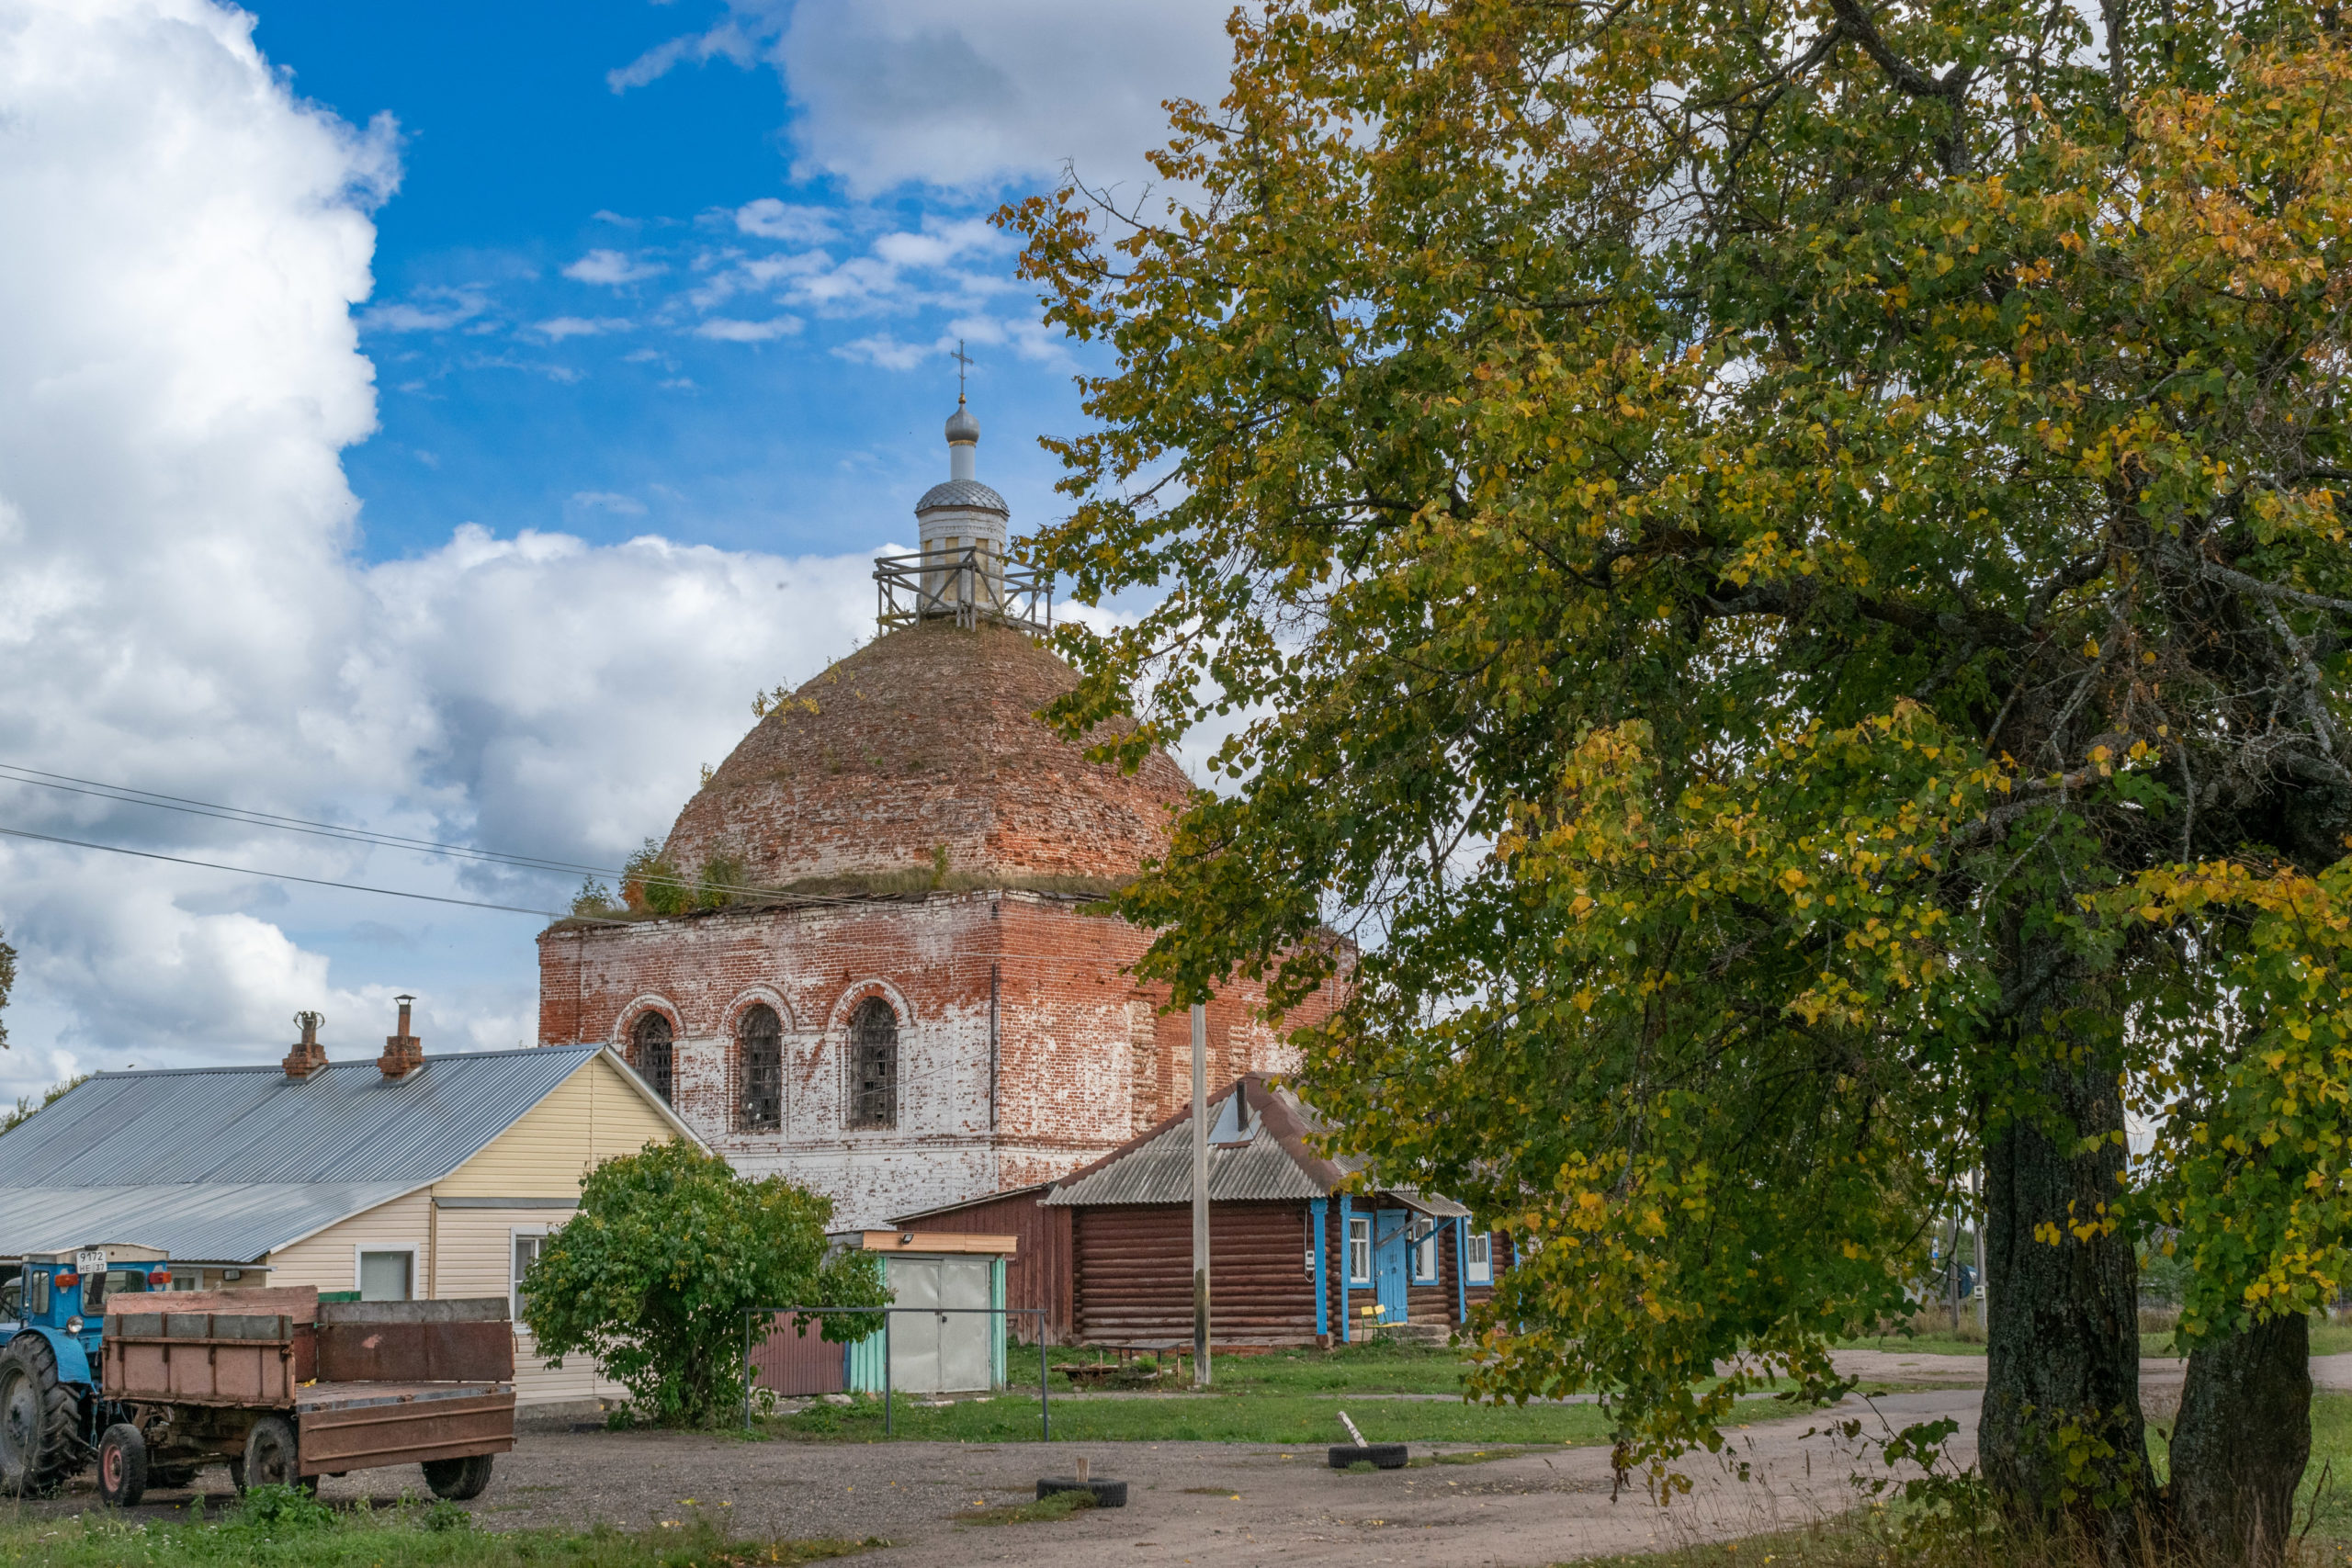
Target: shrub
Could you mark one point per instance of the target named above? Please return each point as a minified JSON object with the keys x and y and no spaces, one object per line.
{"x":670,"y":1251}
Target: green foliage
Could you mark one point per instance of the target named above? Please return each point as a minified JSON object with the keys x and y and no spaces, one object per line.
{"x":650,"y":884}
{"x":7,"y":984}
{"x":1787,"y":568}
{"x":669,"y":1252}
{"x":593,"y":900}
{"x":400,"y":1536}
{"x":26,"y":1109}
{"x":283,"y":1509}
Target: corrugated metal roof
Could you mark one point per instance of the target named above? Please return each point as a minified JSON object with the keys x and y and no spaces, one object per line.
{"x":251,"y":1156}
{"x":1160,"y":1171}
{"x":194,"y":1224}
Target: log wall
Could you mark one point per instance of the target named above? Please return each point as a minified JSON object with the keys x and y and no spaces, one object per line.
{"x":1133,"y":1278}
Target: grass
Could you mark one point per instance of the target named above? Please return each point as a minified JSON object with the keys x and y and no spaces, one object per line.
{"x":294,"y":1532}
{"x":1286,"y":1397}
{"x":1932,"y":1333}
{"x":1045,"y":1510}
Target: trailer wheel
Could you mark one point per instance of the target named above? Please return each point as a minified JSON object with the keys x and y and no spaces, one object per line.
{"x":39,"y":1443}
{"x":272,"y":1458}
{"x":458,"y":1480}
{"x":122,"y":1466}
{"x":1387,"y":1456}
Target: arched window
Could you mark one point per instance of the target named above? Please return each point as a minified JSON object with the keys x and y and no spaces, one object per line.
{"x":759,"y":1039}
{"x":874,"y":1058}
{"x":649,"y":1053}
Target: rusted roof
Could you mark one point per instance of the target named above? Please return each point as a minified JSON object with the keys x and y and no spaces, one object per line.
{"x":1275,"y":1163}
{"x":927,"y":740}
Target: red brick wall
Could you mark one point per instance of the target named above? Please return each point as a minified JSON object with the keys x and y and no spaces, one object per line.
{"x":1081,"y":1062}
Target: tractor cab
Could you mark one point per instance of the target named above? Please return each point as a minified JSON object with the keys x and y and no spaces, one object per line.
{"x":67,"y":1292}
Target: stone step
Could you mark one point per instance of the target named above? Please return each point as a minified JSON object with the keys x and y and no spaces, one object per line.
{"x":1435,"y":1334}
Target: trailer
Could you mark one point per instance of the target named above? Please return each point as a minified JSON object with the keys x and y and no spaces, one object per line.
{"x":286,"y":1389}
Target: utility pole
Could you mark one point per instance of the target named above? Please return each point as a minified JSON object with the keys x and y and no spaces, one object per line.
{"x":1984,"y":1294}
{"x":1200,"y":1196}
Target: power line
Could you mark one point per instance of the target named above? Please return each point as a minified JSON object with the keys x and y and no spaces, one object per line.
{"x":14,"y":772}
{"x":312,"y":881}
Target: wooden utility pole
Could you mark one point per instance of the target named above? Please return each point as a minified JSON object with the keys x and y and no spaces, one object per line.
{"x":1200,"y":1196}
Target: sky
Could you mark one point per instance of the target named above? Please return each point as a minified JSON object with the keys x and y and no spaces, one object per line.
{"x":443,"y":419}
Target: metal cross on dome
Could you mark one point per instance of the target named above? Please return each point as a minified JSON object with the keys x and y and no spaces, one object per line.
{"x":963,"y":363}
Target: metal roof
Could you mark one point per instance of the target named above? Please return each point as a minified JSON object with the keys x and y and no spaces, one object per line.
{"x":962,"y":492}
{"x":1160,"y":1171}
{"x":226,"y":1163}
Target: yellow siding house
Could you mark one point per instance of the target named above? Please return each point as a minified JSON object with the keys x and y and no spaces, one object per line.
{"x":409,"y":1177}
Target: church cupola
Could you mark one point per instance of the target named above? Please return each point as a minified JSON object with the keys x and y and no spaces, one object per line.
{"x":960,"y":572}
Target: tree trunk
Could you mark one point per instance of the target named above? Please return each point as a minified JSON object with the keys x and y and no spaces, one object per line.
{"x":2061,"y":1439}
{"x":2244,"y":1438}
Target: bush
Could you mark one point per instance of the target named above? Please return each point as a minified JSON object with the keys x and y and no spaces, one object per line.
{"x":669,"y":1253}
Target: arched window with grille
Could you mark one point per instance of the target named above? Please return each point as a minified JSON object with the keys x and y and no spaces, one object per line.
{"x":873,"y":1063}
{"x":649,"y":1053}
{"x":759,"y":1041}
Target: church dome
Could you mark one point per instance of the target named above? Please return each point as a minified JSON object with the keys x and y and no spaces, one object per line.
{"x":925,"y":743}
{"x":962,"y":492}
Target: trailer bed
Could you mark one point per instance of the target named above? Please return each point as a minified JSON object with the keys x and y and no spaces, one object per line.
{"x":364,"y":1426}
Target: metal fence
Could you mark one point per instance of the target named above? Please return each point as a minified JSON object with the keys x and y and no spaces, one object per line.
{"x":890,"y":1422}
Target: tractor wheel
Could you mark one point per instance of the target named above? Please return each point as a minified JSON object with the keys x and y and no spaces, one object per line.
{"x":272,"y":1458}
{"x":458,"y":1480}
{"x":41,"y":1442}
{"x":122,"y":1466}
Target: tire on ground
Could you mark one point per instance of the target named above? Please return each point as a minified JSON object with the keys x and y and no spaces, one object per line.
{"x":1387,"y":1456}
{"x":122,"y":1466}
{"x":1107,"y":1494}
{"x":41,"y":1442}
{"x":272,"y":1458}
{"x":171,"y":1477}
{"x":458,"y":1480}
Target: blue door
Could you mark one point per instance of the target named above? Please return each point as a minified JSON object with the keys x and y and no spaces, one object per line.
{"x":1392,"y":1245}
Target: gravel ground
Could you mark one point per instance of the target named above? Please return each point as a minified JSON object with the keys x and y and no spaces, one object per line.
{"x":1243,"y":1502}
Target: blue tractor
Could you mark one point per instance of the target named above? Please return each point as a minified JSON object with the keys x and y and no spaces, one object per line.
{"x":51,"y":1319}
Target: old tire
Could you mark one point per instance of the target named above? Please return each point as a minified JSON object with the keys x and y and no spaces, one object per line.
{"x":122,"y":1466}
{"x":272,"y":1458}
{"x":1387,"y":1456}
{"x":1107,"y":1494}
{"x":458,"y":1480}
{"x":171,"y":1477}
{"x":41,"y":1442}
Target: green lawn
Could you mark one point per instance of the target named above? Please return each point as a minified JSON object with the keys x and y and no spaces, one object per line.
{"x":1290,"y":1397}
{"x":287,"y":1531}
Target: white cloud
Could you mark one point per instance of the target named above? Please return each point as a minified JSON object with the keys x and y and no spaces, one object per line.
{"x":180,"y":609}
{"x":429,"y":310}
{"x":772,"y":220}
{"x":613,"y":268}
{"x":561,"y":327}
{"x":886,"y":351}
{"x":951,"y":94}
{"x":726,"y":330}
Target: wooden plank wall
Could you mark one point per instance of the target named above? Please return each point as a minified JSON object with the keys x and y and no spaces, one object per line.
{"x":1133,"y":1278}
{"x":1038,"y":1275}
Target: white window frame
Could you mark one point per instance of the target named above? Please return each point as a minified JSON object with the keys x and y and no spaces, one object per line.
{"x":514,"y":1281}
{"x":1359,"y":1236}
{"x":1479,"y":1267}
{"x":1425,"y":1251}
{"x":415,"y":1264}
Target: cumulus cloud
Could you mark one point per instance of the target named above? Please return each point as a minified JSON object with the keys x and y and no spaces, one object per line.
{"x":726,"y":330}
{"x":960,"y":95}
{"x":558,"y":328}
{"x":612,"y":268}
{"x":772,"y":220}
{"x":181,"y":609}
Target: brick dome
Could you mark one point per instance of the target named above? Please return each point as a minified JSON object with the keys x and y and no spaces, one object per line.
{"x":925,"y":740}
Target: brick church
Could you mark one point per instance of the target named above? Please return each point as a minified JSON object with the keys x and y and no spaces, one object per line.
{"x":901,"y":997}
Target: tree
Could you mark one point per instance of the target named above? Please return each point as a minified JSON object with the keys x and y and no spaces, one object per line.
{"x":7,"y":984}
{"x":1784,"y":568}
{"x":26,"y":1109}
{"x":670,"y":1251}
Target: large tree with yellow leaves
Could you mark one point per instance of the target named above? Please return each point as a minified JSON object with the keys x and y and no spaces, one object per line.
{"x":1782,"y":565}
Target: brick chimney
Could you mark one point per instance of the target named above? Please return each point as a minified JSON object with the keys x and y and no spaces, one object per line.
{"x":403,"y":1053}
{"x":308,"y":1055}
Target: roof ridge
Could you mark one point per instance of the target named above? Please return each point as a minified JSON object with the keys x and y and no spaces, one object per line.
{"x":345,"y":1062}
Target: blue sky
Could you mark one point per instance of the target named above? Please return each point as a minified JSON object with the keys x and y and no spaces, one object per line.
{"x":444,"y":418}
{"x":520,"y":162}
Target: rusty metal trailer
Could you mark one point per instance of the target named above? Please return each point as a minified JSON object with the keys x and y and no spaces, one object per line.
{"x":286,"y":1389}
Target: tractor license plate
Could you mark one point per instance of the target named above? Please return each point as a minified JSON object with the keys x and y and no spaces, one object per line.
{"x":88,"y":1263}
